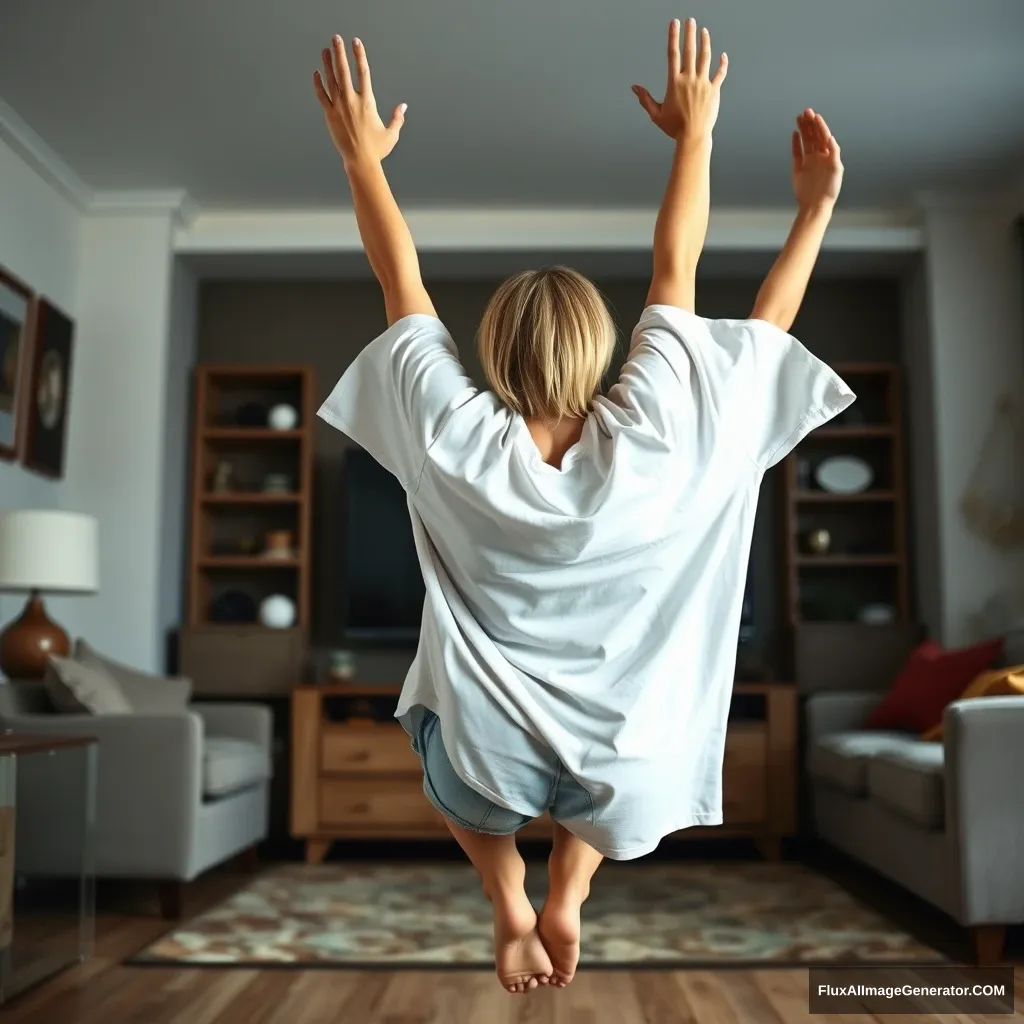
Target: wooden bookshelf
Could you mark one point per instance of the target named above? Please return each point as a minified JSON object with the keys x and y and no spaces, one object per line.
{"x":866,"y":561}
{"x":231,"y":518}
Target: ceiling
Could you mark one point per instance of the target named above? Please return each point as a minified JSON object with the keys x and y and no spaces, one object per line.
{"x":518,"y":102}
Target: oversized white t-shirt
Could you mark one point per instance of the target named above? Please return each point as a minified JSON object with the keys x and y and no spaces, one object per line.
{"x":591,"y":609}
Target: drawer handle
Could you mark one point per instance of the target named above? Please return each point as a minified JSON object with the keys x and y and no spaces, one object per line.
{"x":362,"y":808}
{"x":360,"y":755}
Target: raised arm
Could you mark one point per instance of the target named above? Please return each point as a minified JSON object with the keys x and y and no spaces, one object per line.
{"x":363,"y":141}
{"x":817,"y":178}
{"x":687,"y":115}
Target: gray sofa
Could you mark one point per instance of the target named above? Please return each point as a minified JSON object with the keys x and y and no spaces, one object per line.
{"x":180,"y":787}
{"x":944,"y":819}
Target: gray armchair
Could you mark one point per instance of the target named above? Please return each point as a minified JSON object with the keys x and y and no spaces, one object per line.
{"x":944,"y":819}
{"x":178,"y":790}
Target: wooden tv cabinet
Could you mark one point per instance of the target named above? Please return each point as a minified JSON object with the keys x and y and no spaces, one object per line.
{"x":362,"y":780}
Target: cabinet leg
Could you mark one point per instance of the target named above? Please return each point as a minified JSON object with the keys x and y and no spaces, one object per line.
{"x":770,"y":847}
{"x":316,"y":850}
{"x":988,"y":943}
{"x":172,"y":900}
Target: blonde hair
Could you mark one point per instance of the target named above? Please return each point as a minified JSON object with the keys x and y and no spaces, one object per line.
{"x":545,"y":342}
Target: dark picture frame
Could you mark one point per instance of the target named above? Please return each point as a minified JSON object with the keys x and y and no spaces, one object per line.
{"x":16,"y":310}
{"x":49,"y":389}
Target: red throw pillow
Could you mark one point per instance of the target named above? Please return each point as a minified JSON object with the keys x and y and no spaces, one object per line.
{"x":931,"y":678}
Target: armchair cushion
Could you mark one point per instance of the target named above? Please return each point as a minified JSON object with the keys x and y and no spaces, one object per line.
{"x":910,"y":781}
{"x":78,"y":689}
{"x":147,"y":694}
{"x":232,"y":764}
{"x":841,"y":758}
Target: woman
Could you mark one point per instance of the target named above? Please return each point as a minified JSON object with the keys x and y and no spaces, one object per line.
{"x":584,"y":555}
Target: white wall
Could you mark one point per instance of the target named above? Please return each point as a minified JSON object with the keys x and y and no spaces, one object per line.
{"x":974,"y":282}
{"x":39,"y":231}
{"x":116,"y":449}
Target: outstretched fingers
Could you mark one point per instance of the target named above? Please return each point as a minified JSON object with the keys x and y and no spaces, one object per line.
{"x":723,"y":70}
{"x":798,"y":152}
{"x":809,"y":135}
{"x":704,"y":54}
{"x":647,"y":101}
{"x":327,"y":78}
{"x":342,"y":73}
{"x":321,"y":92}
{"x":362,"y":68}
{"x":674,"y":60}
{"x":690,"y":46}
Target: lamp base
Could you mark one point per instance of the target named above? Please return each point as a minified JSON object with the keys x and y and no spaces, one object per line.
{"x":29,"y":640}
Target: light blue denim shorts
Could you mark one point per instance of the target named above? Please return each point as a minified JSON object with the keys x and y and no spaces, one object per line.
{"x":556,"y":790}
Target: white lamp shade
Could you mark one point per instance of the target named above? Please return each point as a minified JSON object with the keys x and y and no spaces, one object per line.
{"x":48,"y":550}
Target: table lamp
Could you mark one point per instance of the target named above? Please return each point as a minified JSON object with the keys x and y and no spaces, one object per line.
{"x":43,"y":551}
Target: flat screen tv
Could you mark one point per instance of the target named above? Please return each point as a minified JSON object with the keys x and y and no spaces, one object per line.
{"x":382,"y":587}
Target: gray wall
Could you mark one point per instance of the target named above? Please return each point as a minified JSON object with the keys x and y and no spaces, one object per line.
{"x":327,"y":323}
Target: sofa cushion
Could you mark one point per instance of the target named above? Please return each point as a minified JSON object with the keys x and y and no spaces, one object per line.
{"x":230,"y":765}
{"x":78,"y":689}
{"x":147,"y":694}
{"x":931,"y":678}
{"x":910,"y":781}
{"x":841,"y":758}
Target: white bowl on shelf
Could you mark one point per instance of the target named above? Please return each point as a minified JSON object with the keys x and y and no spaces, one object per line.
{"x":844,"y":474}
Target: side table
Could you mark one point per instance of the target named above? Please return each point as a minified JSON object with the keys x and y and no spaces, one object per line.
{"x":47,"y":879}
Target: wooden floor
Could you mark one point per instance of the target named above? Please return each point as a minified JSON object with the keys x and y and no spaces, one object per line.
{"x":103,"y":991}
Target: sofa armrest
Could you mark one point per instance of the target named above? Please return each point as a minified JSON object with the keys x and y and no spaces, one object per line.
{"x":148,"y":787}
{"x":984,"y":757}
{"x":252,"y":722}
{"x":841,"y":711}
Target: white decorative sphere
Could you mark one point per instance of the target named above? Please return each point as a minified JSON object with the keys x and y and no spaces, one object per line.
{"x":283,"y":417}
{"x":277,"y":611}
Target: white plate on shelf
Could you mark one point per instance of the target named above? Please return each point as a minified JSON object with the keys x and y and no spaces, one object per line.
{"x":844,"y":474}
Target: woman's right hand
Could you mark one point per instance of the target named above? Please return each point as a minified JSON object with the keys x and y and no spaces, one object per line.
{"x":690,"y":106}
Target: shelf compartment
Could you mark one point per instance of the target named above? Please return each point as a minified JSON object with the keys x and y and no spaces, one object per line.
{"x":260,"y":434}
{"x":837,"y":591}
{"x":866,"y":430}
{"x":247,"y":562}
{"x":846,"y":561}
{"x":251,"y":498}
{"x":825,"y":498}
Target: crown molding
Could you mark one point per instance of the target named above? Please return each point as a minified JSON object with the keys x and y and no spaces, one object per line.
{"x":554,"y":229}
{"x":52,"y":168}
{"x":175,"y":202}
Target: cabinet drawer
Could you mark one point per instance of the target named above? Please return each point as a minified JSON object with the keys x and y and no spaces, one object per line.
{"x":388,"y":803}
{"x":372,"y":750}
{"x":745,"y":775}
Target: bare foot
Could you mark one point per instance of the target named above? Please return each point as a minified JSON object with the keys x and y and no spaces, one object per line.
{"x":559,"y":929}
{"x":519,"y":955}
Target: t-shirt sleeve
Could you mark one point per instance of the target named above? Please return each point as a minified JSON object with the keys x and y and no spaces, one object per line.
{"x":763,"y":389}
{"x":397,"y":394}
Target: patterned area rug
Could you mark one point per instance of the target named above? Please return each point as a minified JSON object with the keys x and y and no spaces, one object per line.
{"x":435,"y":916}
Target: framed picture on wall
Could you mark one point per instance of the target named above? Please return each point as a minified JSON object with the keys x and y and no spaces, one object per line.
{"x":49,"y":389}
{"x":15,"y":313}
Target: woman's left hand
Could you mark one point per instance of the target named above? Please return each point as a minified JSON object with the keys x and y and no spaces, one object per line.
{"x":350,"y":109}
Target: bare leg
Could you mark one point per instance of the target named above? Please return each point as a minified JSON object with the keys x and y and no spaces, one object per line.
{"x":570,"y":868}
{"x":519,"y":956}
